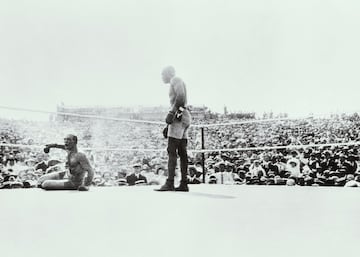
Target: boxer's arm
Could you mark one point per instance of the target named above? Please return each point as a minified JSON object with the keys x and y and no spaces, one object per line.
{"x":180,"y":95}
{"x":55,"y":146}
{"x":85,"y":164}
{"x":48,"y":146}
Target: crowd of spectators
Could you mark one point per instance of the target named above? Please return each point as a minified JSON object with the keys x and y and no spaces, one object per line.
{"x":293,"y":162}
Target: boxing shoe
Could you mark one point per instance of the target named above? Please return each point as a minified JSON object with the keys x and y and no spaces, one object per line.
{"x":83,"y":188}
{"x":168,"y":186}
{"x":183,"y":187}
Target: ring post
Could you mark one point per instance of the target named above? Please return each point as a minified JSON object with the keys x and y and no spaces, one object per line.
{"x":203,"y":154}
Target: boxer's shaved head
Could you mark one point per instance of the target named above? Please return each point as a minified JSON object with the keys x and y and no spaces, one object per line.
{"x":70,"y":141}
{"x":72,"y":137}
{"x":168,"y":73}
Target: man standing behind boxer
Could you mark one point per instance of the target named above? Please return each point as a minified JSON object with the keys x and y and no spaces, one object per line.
{"x":77,"y":164}
{"x":178,"y":120}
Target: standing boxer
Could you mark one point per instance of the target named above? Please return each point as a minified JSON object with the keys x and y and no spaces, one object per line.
{"x":178,"y":120}
{"x":78,"y":166}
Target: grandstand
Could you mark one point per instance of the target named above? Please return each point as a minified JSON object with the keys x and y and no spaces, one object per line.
{"x":156,"y":113}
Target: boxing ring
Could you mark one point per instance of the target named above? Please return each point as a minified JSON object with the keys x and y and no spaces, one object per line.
{"x":210,"y":220}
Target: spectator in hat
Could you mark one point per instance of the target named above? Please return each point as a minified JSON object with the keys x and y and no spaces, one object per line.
{"x":136,"y":176}
{"x":162,"y":174}
{"x":293,"y":168}
{"x":352,"y":164}
{"x":108,"y":179}
{"x":216,"y":176}
{"x":313,"y":162}
{"x":11,"y":180}
{"x":256,"y":170}
{"x":349,"y":167}
{"x":274,"y":166}
{"x":351,"y":181}
{"x":328,"y":162}
{"x":194,"y":176}
{"x":97,"y":180}
{"x":256,"y":174}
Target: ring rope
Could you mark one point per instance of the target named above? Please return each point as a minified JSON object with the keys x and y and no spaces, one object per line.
{"x":161,"y":123}
{"x":198,"y":150}
{"x":82,"y":115}
{"x":147,"y":121}
{"x":89,"y":148}
{"x":247,"y":122}
{"x":274,"y":147}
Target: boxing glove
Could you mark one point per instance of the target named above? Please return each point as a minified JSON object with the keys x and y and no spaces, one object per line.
{"x":170,"y":117}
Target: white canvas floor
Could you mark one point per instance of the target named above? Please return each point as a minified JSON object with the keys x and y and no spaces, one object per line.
{"x":211,"y":220}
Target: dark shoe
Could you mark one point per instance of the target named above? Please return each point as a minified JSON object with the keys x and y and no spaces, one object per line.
{"x":183,"y":187}
{"x":166,"y":187}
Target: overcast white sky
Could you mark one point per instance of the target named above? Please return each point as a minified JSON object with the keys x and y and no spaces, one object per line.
{"x":260,"y":55}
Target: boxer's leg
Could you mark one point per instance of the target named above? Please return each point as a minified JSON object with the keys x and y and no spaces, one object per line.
{"x":172,"y":159}
{"x":183,"y":166}
{"x":62,"y":184}
{"x":176,"y":131}
{"x":51,"y":176}
{"x":183,"y":159}
{"x":173,"y":145}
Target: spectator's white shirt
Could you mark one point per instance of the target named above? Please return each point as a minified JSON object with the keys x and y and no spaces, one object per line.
{"x":198,"y":168}
{"x":228,"y":178}
{"x":352,"y":183}
{"x":296,"y":160}
{"x":255,"y":170}
{"x":150,"y":176}
{"x":295,"y":171}
{"x":218,"y":175}
{"x":208,"y":174}
{"x":194,"y":177}
{"x":306,"y":170}
{"x":281,"y":166}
